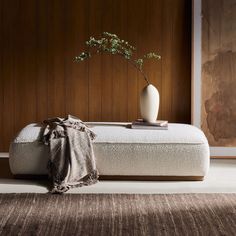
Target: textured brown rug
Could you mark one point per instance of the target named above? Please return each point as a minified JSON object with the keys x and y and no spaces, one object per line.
{"x":117,"y":214}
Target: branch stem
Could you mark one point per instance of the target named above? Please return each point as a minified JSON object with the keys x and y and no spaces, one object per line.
{"x":132,"y":62}
{"x":141,"y":71}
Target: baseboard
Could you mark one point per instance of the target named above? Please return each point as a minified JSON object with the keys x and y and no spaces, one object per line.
{"x":4,"y":154}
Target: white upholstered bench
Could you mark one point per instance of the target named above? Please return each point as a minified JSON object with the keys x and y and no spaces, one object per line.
{"x":179,"y":153}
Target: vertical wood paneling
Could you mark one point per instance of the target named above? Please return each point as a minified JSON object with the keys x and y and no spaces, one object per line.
{"x":95,"y":76}
{"x":1,"y":74}
{"x":185,"y":107}
{"x":39,"y":79}
{"x":166,"y":60}
{"x":120,"y":65}
{"x":76,"y":74}
{"x":107,"y":64}
{"x":41,"y":55}
{"x":180,"y":89}
{"x":25,"y":64}
{"x":176,"y":42}
{"x":154,"y":18}
{"x":144,"y":30}
{"x":56,"y":58}
{"x":10,"y":12}
{"x":122,"y":21}
{"x":132,"y":85}
{"x":149,"y":27}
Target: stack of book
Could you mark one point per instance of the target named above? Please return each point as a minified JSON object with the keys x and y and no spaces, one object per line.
{"x":158,"y":125}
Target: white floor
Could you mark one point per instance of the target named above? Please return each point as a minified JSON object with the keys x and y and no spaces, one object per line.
{"x":220,"y":179}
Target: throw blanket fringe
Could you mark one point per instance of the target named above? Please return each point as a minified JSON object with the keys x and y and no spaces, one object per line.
{"x":72,"y":160}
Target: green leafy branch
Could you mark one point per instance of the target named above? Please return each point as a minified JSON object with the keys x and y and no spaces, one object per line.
{"x":111,"y":43}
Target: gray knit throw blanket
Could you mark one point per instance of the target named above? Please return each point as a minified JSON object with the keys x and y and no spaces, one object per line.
{"x":72,"y":162}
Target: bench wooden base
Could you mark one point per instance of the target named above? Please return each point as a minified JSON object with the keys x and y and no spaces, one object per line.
{"x":127,"y":177}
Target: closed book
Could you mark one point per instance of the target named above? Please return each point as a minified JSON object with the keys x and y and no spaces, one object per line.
{"x":145,"y":123}
{"x":149,"y":127}
{"x":158,"y":125}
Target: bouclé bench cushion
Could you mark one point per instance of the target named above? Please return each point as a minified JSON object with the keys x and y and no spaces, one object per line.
{"x":180,"y":151}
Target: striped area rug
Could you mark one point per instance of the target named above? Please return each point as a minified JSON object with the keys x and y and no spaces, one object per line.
{"x":118,"y":214}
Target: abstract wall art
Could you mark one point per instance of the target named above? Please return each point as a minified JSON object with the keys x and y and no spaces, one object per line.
{"x":214,"y":73}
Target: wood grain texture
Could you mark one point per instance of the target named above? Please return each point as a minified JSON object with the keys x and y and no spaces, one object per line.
{"x":8,"y":32}
{"x":39,"y":78}
{"x":56,"y":58}
{"x":76,"y":75}
{"x":95,"y":76}
{"x":24,"y":44}
{"x":107,"y":64}
{"x":166,"y":60}
{"x":1,"y":71}
{"x":132,"y":37}
{"x":119,"y":75}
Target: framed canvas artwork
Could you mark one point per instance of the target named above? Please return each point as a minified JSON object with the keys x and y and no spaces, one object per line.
{"x":214,"y":74}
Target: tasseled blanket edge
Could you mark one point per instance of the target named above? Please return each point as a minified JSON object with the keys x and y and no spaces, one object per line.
{"x":87,"y":180}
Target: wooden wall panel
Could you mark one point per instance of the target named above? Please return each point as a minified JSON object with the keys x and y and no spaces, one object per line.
{"x":166,"y":60}
{"x":56,"y":58}
{"x":1,"y":73}
{"x":144,"y":30}
{"x":180,"y":68}
{"x":24,"y":44}
{"x":76,"y":75}
{"x":39,"y":78}
{"x":132,"y":74}
{"x":8,"y":50}
{"x":120,"y":108}
{"x":95,"y":74}
{"x":107,"y":64}
{"x":153,"y":19}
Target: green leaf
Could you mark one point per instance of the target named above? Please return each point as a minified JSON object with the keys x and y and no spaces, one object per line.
{"x":111,"y":43}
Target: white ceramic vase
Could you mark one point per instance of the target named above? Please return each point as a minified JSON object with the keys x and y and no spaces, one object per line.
{"x":149,"y":103}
